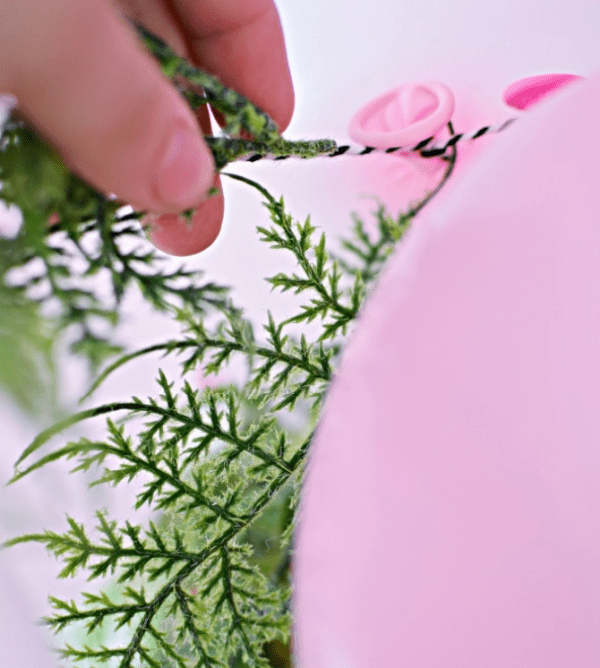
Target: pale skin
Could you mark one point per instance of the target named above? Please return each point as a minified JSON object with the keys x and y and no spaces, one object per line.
{"x":84,"y":80}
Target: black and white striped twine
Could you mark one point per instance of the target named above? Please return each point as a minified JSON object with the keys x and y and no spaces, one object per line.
{"x":430,"y":152}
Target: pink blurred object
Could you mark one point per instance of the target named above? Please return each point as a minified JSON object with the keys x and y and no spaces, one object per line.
{"x":527,"y":92}
{"x":403,"y":116}
{"x":450,"y":513}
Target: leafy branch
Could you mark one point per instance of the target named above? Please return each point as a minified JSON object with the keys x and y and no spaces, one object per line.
{"x":68,"y":224}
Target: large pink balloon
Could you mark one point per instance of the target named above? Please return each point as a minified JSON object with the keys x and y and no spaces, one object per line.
{"x":450,"y":516}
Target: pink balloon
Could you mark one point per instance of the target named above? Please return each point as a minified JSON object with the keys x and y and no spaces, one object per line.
{"x":450,"y":515}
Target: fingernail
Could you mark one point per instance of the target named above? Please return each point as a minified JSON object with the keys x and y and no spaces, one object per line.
{"x":186,"y":172}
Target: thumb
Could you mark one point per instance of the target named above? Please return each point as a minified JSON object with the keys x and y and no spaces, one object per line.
{"x":88,"y":85}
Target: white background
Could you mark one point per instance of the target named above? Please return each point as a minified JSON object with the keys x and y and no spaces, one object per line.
{"x":341,"y":55}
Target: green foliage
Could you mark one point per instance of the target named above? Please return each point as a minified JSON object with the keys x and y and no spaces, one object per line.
{"x":27,"y":370}
{"x":58,"y":264}
{"x":221,"y":467}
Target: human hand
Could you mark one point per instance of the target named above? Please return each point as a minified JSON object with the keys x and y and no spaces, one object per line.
{"x":86,"y":83}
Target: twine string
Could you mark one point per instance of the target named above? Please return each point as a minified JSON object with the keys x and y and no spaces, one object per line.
{"x":431,"y":152}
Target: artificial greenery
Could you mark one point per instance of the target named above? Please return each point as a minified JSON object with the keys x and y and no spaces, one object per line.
{"x":207,"y":583}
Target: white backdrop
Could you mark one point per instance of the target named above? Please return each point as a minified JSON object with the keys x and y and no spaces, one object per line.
{"x":341,"y":55}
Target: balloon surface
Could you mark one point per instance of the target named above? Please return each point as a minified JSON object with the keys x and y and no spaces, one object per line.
{"x":450,"y":513}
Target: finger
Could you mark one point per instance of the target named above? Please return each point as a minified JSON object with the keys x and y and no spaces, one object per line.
{"x":90,"y":87}
{"x":241,"y":42}
{"x":173,"y":234}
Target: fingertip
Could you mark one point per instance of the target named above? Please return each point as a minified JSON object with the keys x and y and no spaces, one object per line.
{"x":171,"y":233}
{"x":186,"y":170}
{"x":285,"y":104}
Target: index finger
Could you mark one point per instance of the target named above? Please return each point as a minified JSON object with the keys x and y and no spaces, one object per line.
{"x":241,"y":42}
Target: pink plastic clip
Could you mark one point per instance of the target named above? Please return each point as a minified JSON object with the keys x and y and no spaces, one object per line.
{"x":403,"y":116}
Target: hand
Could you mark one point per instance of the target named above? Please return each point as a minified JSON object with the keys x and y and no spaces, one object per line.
{"x":85,"y":81}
